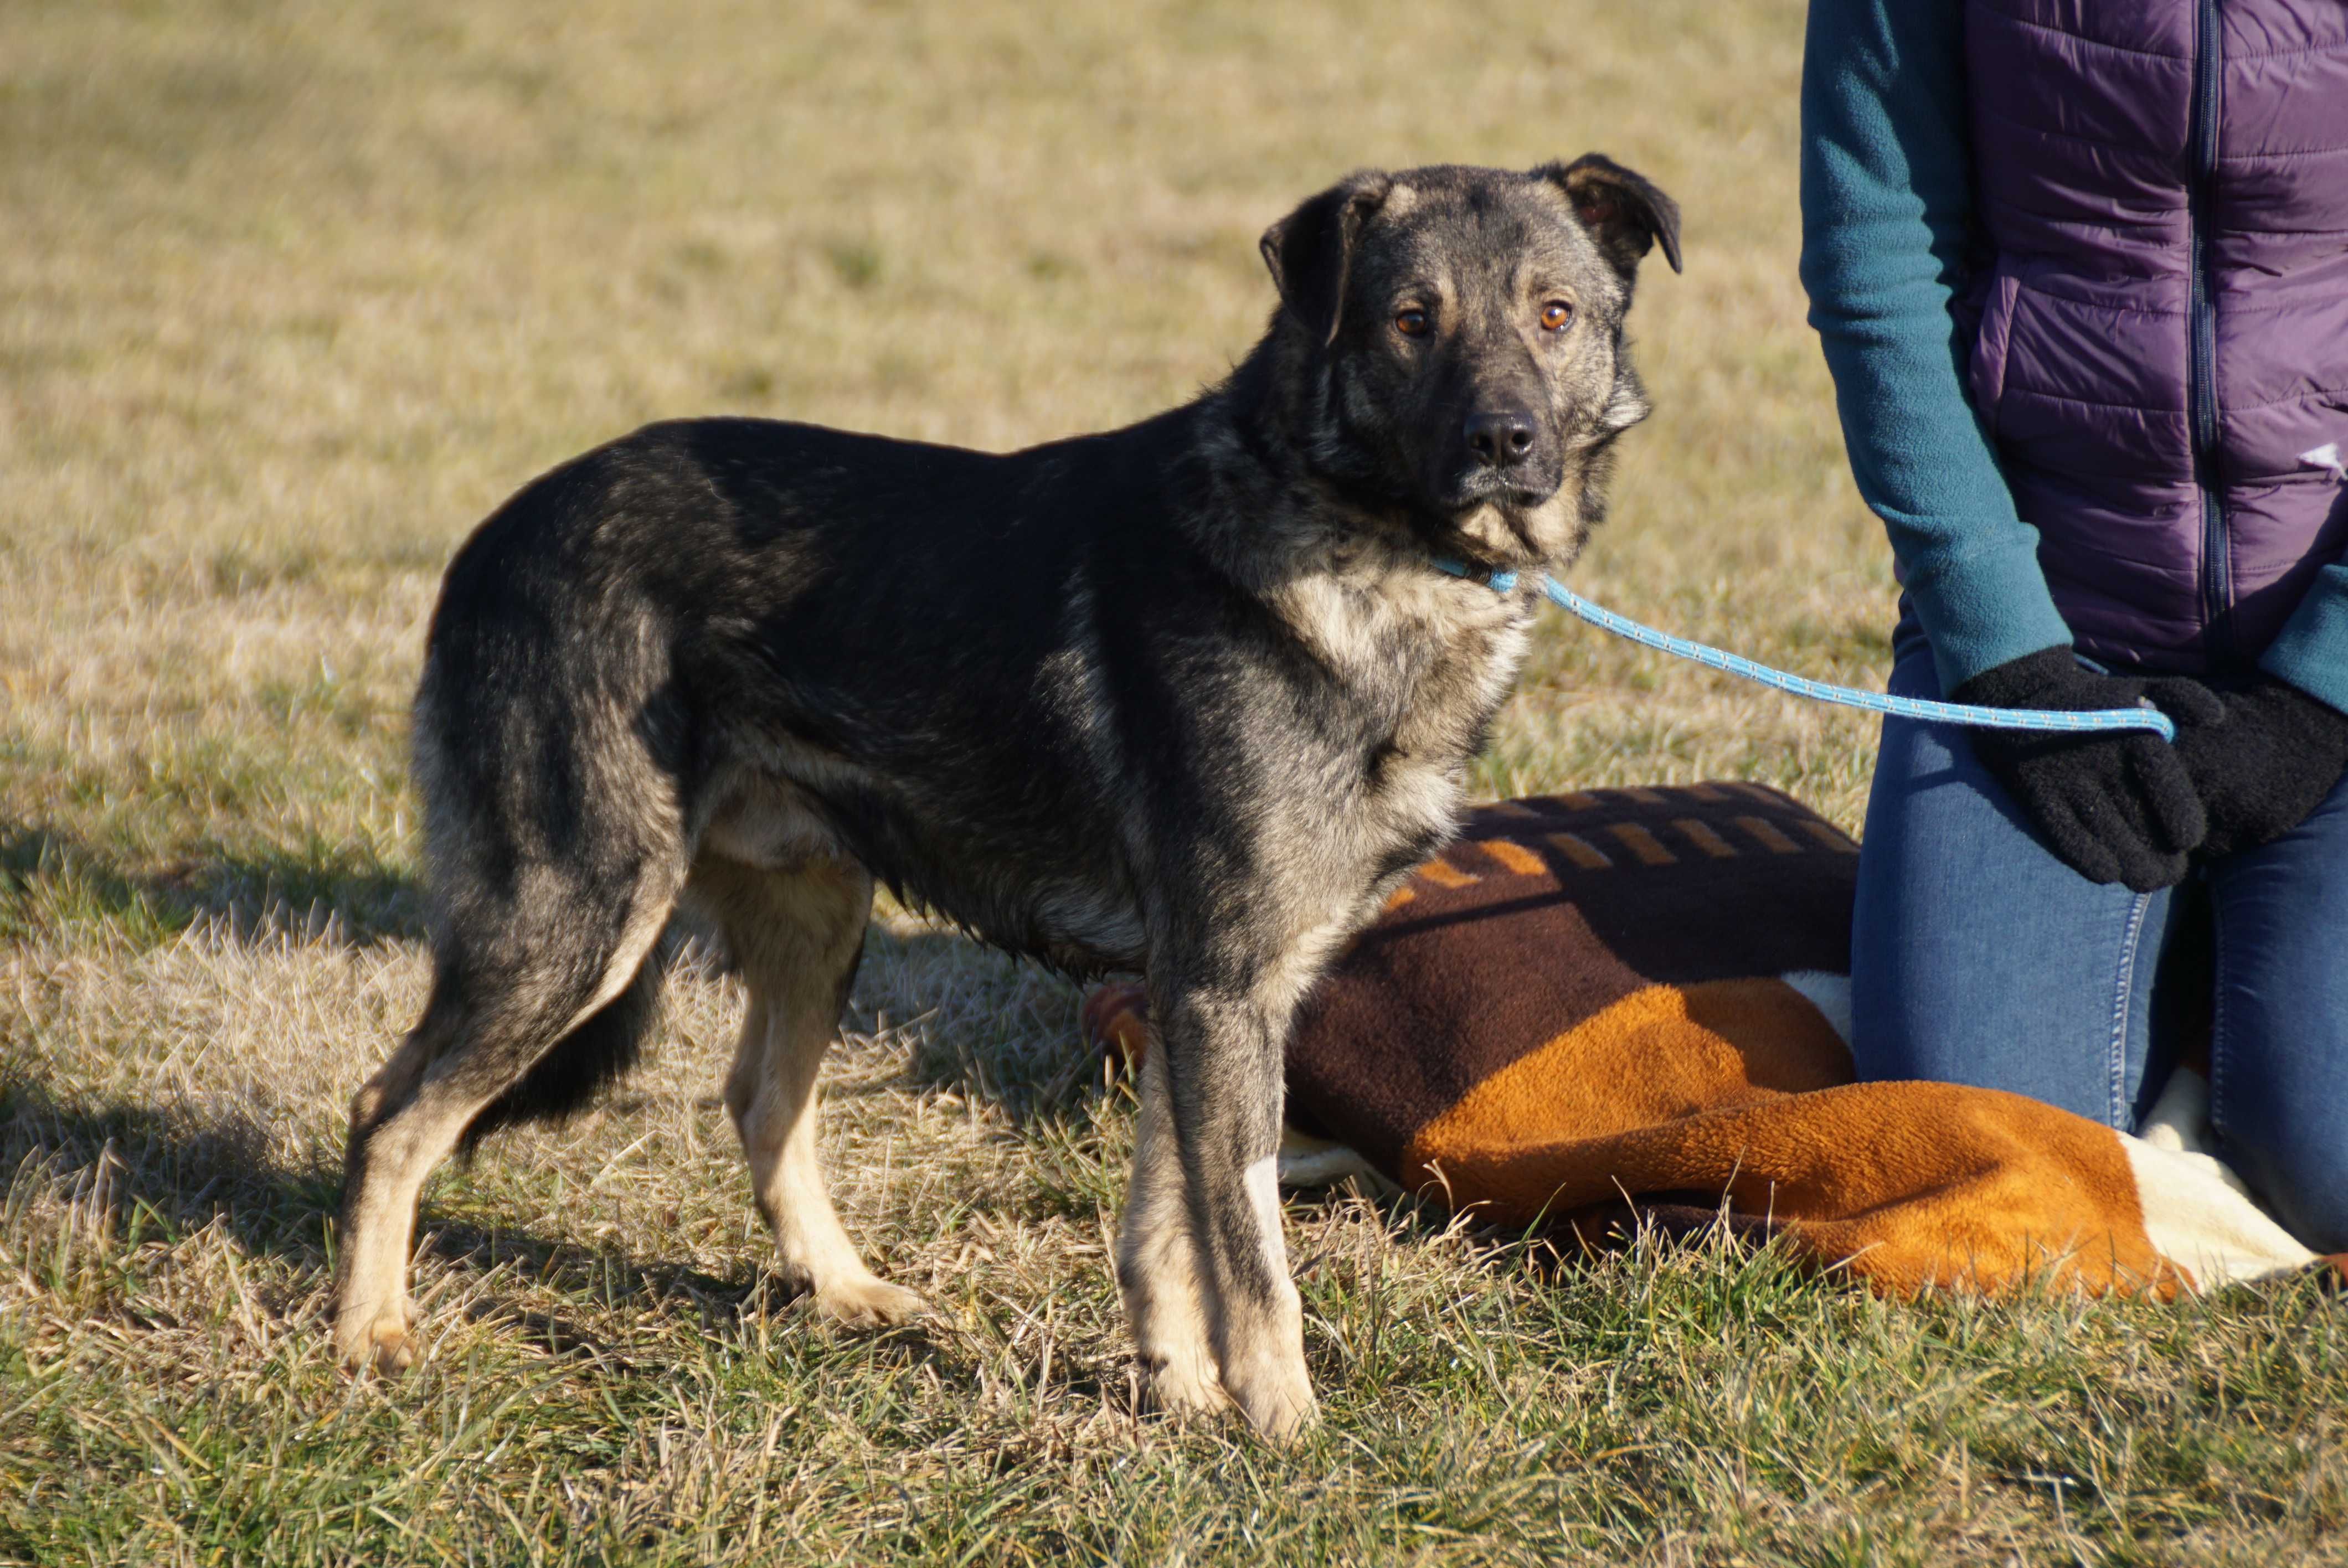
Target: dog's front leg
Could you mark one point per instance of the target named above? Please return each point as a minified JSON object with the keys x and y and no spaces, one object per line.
{"x":1221,"y":1045}
{"x":1158,"y":1262}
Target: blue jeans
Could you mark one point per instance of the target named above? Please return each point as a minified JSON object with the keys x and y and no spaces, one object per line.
{"x":1979,"y":958}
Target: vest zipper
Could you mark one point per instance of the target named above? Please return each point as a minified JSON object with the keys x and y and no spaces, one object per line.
{"x":2201,"y":370}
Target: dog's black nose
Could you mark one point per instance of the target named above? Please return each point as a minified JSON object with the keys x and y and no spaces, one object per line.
{"x":1502,"y":437}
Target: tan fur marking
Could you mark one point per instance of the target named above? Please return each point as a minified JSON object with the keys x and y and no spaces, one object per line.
{"x":410,"y":1118}
{"x":796,"y":935}
{"x":1157,"y":1266}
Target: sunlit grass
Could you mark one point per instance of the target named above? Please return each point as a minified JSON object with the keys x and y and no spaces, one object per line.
{"x":293,"y":293}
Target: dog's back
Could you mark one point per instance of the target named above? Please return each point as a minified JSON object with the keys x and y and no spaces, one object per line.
{"x":920,"y":640}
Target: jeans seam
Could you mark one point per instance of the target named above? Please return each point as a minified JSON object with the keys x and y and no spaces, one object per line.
{"x":2123,"y":1010}
{"x":2217,"y":1020}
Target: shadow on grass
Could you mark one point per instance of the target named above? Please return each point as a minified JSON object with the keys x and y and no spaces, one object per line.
{"x":979,"y":1022}
{"x":153,"y":1174}
{"x":966,"y":1018}
{"x":47,"y":880}
{"x":166,"y":1172}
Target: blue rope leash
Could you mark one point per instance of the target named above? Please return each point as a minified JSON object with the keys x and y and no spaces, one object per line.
{"x":2146,"y":717}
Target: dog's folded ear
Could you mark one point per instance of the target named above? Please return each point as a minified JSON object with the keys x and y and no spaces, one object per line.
{"x":1311,"y":250}
{"x":1624,"y":212}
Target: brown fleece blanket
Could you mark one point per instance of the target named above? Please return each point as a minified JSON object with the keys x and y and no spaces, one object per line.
{"x":1631,"y":1002}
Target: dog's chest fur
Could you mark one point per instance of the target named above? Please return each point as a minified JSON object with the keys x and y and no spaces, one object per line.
{"x":1420,"y":662}
{"x":1403,"y":666}
{"x":1425,"y":659}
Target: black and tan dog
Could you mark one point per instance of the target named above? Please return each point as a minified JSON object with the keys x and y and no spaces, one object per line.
{"x":1187,"y":698}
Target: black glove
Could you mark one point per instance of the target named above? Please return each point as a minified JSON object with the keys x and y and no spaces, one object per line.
{"x":2115,"y":805}
{"x":2271,"y":759}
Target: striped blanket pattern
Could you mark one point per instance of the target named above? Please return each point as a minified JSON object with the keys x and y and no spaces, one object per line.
{"x":1628,"y":1004}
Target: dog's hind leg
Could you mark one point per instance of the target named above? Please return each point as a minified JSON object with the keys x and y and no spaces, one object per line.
{"x":371,"y":1309}
{"x":1158,"y":1262}
{"x":798,"y":935}
{"x":502,"y":1011}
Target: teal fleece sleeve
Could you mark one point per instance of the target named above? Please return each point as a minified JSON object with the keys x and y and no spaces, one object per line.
{"x":1886,"y":211}
{"x":2312,"y":651}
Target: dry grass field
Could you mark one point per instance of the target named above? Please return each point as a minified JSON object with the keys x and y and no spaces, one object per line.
{"x":293,"y":293}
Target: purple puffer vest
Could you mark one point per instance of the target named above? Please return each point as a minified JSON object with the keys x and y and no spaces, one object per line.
{"x":2162,"y":353}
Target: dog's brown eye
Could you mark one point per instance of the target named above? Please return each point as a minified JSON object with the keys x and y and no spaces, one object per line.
{"x":1411,"y":323}
{"x":1556,"y":314}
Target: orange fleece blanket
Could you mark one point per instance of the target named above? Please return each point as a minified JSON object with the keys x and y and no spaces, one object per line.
{"x":1631,"y":1003}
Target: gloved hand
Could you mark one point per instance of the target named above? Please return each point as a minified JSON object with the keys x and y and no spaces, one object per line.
{"x":2114,"y":805}
{"x":2271,"y":759}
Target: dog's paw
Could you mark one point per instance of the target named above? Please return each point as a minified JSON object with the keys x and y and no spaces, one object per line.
{"x":1183,"y":1387}
{"x":869,"y":1303}
{"x":381,"y":1341}
{"x":1276,"y":1398}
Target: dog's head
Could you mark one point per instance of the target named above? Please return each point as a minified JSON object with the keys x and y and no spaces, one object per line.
{"x":1453,"y":339}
